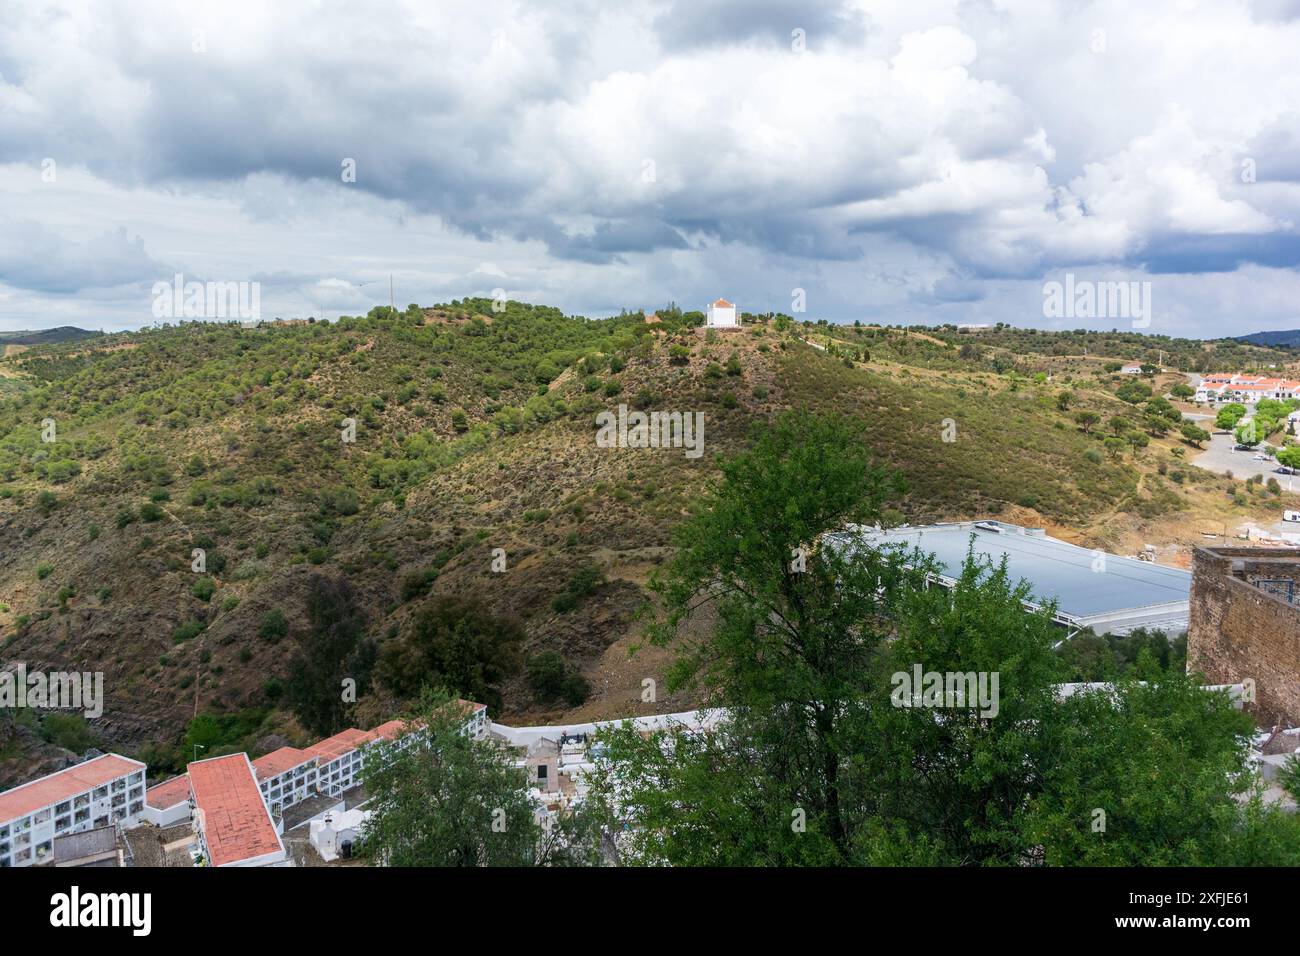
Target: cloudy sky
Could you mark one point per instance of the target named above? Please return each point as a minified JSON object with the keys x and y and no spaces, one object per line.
{"x":903,"y":161}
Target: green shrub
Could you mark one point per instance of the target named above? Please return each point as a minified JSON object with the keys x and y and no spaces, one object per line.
{"x":417,"y":584}
{"x":273,"y":626}
{"x":187,"y":631}
{"x":545,"y":671}
{"x":69,"y":731}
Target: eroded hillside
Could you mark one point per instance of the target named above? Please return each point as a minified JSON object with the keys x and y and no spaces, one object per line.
{"x":450,"y":453}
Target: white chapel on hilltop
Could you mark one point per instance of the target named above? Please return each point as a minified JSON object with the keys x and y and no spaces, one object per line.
{"x":721,"y":315}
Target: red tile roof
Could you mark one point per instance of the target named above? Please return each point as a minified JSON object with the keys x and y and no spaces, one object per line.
{"x":236,"y":823}
{"x":64,"y":785}
{"x":389,"y":731}
{"x":278,"y":761}
{"x":350,"y":739}
{"x":338,"y":745}
{"x":168,"y":793}
{"x":724,"y":304}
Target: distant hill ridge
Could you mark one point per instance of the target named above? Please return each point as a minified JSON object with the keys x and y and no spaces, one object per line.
{"x":64,"y":333}
{"x":1289,"y":338}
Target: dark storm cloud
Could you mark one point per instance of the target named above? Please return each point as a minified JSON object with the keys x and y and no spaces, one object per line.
{"x":1181,"y":254}
{"x":609,"y":239}
{"x":704,"y":23}
{"x":973,"y":144}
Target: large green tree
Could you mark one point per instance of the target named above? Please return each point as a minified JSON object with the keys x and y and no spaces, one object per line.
{"x":453,"y":800}
{"x":332,"y":665}
{"x":797,"y":618}
{"x":805,"y":639}
{"x":453,"y":642}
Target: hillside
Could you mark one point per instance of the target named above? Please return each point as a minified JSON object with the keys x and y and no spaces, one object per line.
{"x":474,"y":431}
{"x":64,"y":333}
{"x":1277,"y":339}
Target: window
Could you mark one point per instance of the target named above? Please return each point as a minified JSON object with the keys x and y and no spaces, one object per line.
{"x":541,"y":771}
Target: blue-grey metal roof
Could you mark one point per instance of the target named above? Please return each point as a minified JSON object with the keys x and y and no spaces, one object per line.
{"x":1124,"y":593}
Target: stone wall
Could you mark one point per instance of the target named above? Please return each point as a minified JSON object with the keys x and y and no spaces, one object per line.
{"x":1238,"y":631}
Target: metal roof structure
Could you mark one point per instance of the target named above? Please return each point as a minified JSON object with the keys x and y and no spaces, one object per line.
{"x":1106,"y":592}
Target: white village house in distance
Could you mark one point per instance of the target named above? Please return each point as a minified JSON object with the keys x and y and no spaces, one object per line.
{"x":721,"y":315}
{"x":1246,"y":389}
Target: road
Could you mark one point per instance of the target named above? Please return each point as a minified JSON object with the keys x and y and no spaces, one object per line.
{"x":1221,"y":457}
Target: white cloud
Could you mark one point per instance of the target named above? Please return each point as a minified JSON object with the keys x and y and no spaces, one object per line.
{"x":918,"y":157}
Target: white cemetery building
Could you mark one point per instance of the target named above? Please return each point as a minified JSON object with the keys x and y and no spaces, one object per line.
{"x":721,"y":315}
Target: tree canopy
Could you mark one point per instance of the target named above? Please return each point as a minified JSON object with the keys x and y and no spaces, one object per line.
{"x":819,"y":759}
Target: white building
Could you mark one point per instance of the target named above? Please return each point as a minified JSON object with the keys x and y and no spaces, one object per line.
{"x":246,"y":796}
{"x":231,"y":816}
{"x":101,"y":792}
{"x":1245,"y":389}
{"x":721,"y":315}
{"x":336,"y":827}
{"x":285,"y":777}
{"x":168,"y":803}
{"x":340,"y":758}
